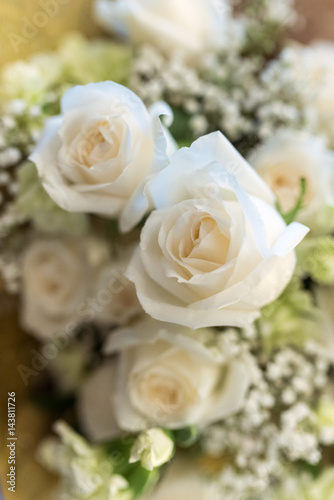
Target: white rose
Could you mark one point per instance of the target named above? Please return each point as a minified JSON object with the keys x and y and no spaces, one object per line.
{"x":215,"y":250}
{"x":55,"y":275}
{"x":95,"y":157}
{"x":116,"y":296}
{"x":190,"y":26}
{"x":164,"y":376}
{"x":290,"y":156}
{"x":184,"y":481}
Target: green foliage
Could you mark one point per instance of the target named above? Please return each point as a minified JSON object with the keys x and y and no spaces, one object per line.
{"x":291,"y":319}
{"x":44,"y":78}
{"x":186,"y":437}
{"x":34,"y":204}
{"x":87,"y":61}
{"x":264,"y":35}
{"x":292,"y":214}
{"x":262,"y":39}
{"x":180,"y":129}
{"x":96,"y":471}
{"x":316,"y":259}
{"x":141,"y":480}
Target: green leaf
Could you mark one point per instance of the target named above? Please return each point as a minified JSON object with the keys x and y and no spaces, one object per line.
{"x":180,"y":129}
{"x":33,"y":204}
{"x":142,"y":481}
{"x":184,"y":438}
{"x":315,"y":258}
{"x":119,"y":450}
{"x":292,"y":214}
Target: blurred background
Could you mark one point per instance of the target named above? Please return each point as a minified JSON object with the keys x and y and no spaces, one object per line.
{"x":25,"y":30}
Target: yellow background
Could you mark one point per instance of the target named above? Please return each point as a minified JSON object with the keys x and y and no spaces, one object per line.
{"x":27,"y":26}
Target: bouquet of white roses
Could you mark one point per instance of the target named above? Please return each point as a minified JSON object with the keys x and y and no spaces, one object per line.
{"x":167,"y":223}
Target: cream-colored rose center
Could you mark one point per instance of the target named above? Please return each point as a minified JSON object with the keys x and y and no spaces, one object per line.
{"x":209,"y":242}
{"x":53,"y":276}
{"x":50,"y":274}
{"x":205,"y":247}
{"x":159,"y":394}
{"x":163,"y":392}
{"x":96,"y":144}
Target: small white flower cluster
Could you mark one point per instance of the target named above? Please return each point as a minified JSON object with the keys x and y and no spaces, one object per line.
{"x":230,"y":92}
{"x":260,"y":446}
{"x":9,"y":156}
{"x":20,"y":125}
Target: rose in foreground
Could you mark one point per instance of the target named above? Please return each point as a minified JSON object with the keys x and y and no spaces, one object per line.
{"x":215,"y":250}
{"x":95,"y":156}
{"x":190,"y":26}
{"x":164,"y":376}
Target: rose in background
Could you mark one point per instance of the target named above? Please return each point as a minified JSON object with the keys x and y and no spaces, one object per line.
{"x":191,"y":27}
{"x":55,"y":276}
{"x":165,"y":376}
{"x":70,"y":281}
{"x":95,"y":157}
{"x":215,"y":250}
{"x":116,"y":297}
{"x":289,"y":157}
